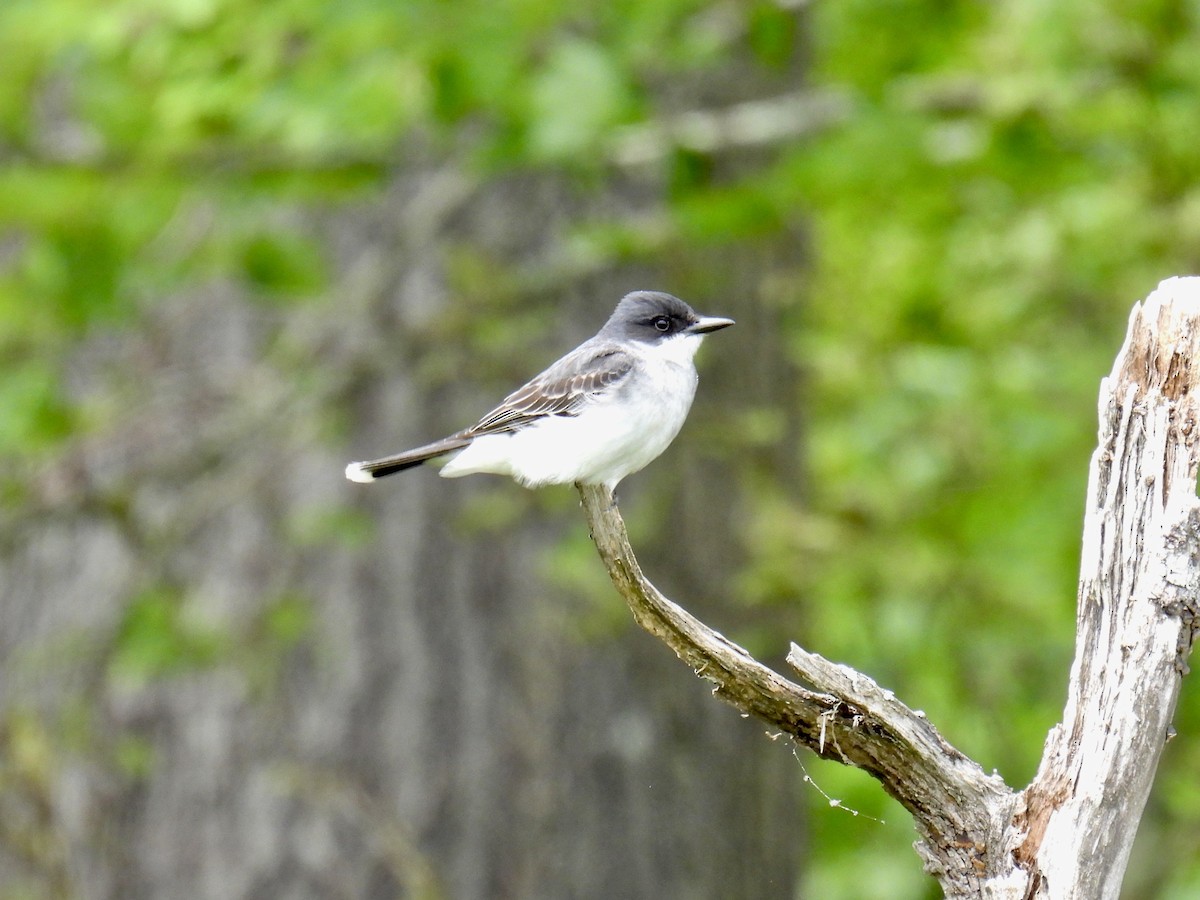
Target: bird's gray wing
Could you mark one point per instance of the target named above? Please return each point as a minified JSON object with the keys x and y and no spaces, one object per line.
{"x":587,"y":372}
{"x":561,"y":390}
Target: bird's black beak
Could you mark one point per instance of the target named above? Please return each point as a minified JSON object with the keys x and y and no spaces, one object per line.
{"x":705,"y":324}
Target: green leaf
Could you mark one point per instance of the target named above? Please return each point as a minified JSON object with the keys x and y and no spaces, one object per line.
{"x":576,"y":97}
{"x":156,"y":638}
{"x":283,"y":264}
{"x":33,"y":415}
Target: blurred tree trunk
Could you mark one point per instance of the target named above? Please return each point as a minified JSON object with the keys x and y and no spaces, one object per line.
{"x":246,"y":677}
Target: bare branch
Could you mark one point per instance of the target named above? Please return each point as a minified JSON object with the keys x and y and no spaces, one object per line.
{"x":848,"y":718}
{"x":755,"y":123}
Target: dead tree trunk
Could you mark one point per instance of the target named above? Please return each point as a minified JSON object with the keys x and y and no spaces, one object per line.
{"x":1069,"y":833}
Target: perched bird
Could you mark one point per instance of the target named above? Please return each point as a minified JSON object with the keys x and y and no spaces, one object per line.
{"x":603,"y":411}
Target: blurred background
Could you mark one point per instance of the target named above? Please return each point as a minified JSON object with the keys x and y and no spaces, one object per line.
{"x":244,"y":242}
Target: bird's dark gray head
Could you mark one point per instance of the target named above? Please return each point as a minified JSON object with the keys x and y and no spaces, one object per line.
{"x":653,"y":316}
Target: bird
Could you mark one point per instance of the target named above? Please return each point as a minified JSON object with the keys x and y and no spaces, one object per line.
{"x":602,"y":412}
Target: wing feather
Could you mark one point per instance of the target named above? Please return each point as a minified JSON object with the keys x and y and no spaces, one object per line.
{"x":559,"y":391}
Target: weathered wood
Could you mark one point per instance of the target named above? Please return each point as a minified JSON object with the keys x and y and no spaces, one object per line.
{"x":1138,"y":587}
{"x":1068,"y":835}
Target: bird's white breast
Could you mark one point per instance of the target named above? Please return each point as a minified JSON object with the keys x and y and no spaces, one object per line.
{"x":615,"y":434}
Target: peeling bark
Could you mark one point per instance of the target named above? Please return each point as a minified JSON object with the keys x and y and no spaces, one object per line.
{"x":1138,"y":586}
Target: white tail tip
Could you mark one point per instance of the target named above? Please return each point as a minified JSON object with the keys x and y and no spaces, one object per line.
{"x":356,"y":472}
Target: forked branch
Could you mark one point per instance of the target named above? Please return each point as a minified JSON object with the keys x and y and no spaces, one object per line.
{"x":845,"y":716}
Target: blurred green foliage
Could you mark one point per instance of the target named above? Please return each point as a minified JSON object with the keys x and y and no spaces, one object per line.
{"x":1010,"y":178}
{"x":156,"y":637}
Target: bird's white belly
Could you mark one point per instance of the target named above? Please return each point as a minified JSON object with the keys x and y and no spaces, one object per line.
{"x":612,"y":437}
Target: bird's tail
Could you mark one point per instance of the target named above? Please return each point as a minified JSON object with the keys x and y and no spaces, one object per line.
{"x":368,"y":471}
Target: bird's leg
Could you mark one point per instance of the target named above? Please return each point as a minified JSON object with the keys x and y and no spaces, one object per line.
{"x":611,"y":496}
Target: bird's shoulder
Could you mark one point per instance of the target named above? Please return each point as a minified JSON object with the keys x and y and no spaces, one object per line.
{"x":588,"y":371}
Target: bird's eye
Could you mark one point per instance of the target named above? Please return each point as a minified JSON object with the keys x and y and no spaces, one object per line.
{"x":661,"y":323}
